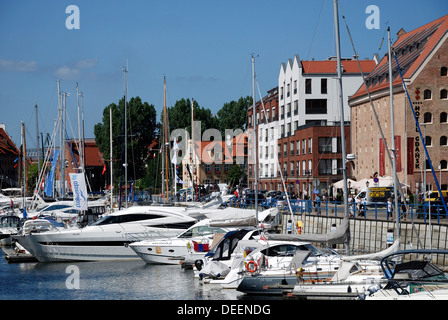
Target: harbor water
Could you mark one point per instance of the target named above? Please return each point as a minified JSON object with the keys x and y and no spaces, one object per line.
{"x":111,"y":280}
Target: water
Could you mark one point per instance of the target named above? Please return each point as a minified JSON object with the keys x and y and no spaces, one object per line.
{"x":117,"y":280}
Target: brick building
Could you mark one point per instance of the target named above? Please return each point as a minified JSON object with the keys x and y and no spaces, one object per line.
{"x":9,"y":167}
{"x":423,"y":58}
{"x":300,"y":137}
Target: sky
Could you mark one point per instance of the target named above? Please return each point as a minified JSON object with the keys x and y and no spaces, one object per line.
{"x":203,"y":48}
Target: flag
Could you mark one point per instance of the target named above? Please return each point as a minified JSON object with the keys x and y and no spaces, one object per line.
{"x":79,"y":189}
{"x":49,"y":180}
{"x":175,"y":148}
{"x":236,"y":193}
{"x":104,"y":169}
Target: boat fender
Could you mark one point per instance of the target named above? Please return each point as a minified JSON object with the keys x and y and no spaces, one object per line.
{"x":198,"y":264}
{"x":251,"y":266}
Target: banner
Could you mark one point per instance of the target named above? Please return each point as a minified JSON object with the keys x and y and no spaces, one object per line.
{"x":79,"y":189}
{"x":50,"y":177}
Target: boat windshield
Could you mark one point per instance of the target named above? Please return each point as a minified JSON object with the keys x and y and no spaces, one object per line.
{"x":125,"y":218}
{"x":201,"y":231}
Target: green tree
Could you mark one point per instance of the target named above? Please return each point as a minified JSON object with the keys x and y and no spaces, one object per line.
{"x":179,"y":116}
{"x":142,"y":129}
{"x":236,"y":175}
{"x":233,"y":115}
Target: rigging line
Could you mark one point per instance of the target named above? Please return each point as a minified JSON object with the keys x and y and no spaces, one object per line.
{"x":316,"y":29}
{"x":421,"y":136}
{"x":278,"y":163}
{"x":380,"y":129}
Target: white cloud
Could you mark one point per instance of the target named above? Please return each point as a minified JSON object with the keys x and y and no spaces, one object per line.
{"x":66,"y":72}
{"x":86,"y":63}
{"x":19,"y":66}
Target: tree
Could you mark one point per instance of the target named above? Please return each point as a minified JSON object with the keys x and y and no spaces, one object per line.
{"x":142,"y":129}
{"x":236,"y":175}
{"x":233,"y":115}
{"x":179,"y":116}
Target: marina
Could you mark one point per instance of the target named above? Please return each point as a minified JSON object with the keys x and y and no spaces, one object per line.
{"x":302,"y":205}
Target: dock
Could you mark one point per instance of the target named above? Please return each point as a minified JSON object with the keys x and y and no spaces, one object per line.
{"x":13,"y":256}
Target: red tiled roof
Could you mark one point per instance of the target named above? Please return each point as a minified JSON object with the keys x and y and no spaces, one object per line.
{"x":422,"y":40}
{"x":329,"y":66}
{"x":6,"y":144}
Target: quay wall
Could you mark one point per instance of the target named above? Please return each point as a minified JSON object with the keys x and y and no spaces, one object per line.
{"x":371,"y":235}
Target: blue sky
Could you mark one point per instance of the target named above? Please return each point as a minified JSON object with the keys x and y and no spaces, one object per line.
{"x":202,"y":47}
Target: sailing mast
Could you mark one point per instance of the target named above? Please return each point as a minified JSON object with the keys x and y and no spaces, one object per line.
{"x":166,"y":140}
{"x":111,"y":163}
{"x":23,"y":170}
{"x":341,"y":106}
{"x":394,"y":162}
{"x":125,"y":70}
{"x":255,"y":139}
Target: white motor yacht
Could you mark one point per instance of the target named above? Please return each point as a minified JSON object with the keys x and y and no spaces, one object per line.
{"x":195,"y":241}
{"x":107,"y":238}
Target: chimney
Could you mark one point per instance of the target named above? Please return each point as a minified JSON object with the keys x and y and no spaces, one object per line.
{"x":400,"y":33}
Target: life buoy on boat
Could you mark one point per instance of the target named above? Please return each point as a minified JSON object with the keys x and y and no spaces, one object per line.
{"x":262,"y":262}
{"x":251,"y":266}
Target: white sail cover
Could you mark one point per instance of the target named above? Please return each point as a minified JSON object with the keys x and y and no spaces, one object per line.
{"x":340,"y":235}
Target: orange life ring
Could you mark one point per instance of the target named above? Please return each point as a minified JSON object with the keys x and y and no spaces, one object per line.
{"x":251,"y":266}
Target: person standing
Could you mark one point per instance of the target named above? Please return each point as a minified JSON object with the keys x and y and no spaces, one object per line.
{"x":389,"y":209}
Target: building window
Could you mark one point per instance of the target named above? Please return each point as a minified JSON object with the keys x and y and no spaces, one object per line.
{"x":443,"y":165}
{"x":324,"y":144}
{"x":427,"y":117}
{"x":428,"y":141}
{"x":325,"y":167}
{"x":295,"y":86}
{"x":443,"y":141}
{"x":217,"y":168}
{"x":323,"y":86}
{"x":308,"y":86}
{"x":443,"y":94}
{"x":443,"y":72}
{"x":207,"y":168}
{"x":316,"y":106}
{"x":443,"y":117}
{"x":427,"y":95}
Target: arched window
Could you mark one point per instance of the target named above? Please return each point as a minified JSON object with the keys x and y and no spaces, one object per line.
{"x":427,"y":117}
{"x":427,"y":95}
{"x":443,"y":117}
{"x":443,"y":141}
{"x":443,"y":72}
{"x":443,"y":94}
{"x":428,"y":141}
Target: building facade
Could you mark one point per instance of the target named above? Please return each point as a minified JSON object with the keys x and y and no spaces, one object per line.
{"x":300,"y":137}
{"x":423,"y":58}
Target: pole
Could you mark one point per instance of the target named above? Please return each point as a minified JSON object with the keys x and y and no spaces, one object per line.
{"x":341,"y":106}
{"x":111,"y":163}
{"x":166,"y":139}
{"x":394,"y":162}
{"x":255,"y":139}
{"x":125,"y":70}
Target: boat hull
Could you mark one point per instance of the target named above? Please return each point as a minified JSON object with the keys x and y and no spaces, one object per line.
{"x":86,"y":245}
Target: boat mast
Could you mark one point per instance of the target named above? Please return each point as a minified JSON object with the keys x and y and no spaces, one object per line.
{"x":255,"y":139}
{"x":125,"y":70}
{"x":341,"y":106}
{"x":111,"y":163}
{"x":23,"y":169}
{"x":394,"y":162}
{"x":166,"y":140}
